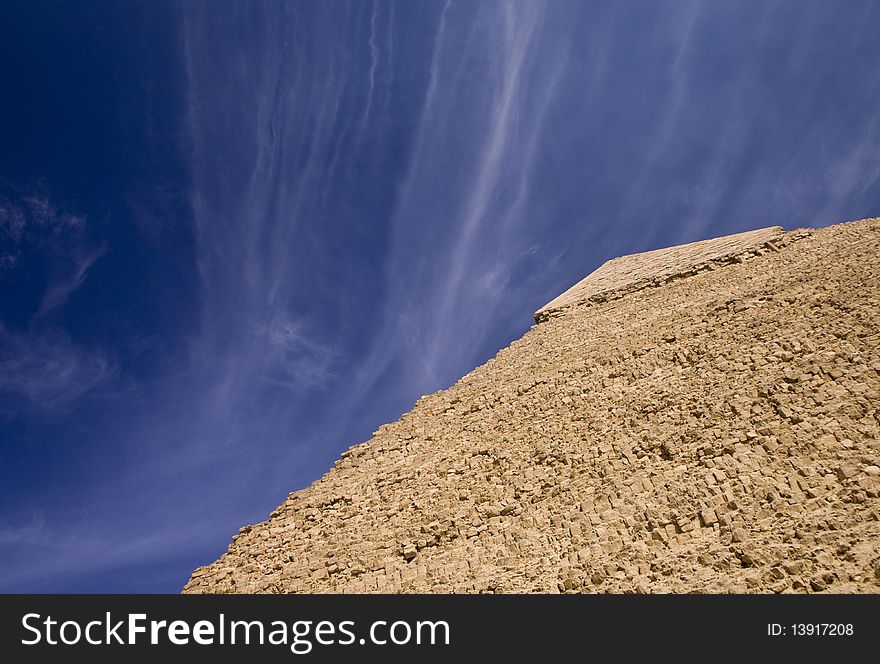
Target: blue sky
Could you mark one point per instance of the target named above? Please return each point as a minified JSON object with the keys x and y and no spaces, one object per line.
{"x":235,"y":238}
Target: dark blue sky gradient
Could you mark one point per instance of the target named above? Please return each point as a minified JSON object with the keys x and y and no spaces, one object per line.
{"x":235,"y":238}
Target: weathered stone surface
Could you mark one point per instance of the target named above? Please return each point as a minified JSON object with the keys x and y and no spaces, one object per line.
{"x":652,"y":268}
{"x":711,"y":430}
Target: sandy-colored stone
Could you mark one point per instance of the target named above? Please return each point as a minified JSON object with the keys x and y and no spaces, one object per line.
{"x":625,"y":274}
{"x":708,"y":420}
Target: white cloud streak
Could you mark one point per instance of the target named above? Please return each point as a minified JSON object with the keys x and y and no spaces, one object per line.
{"x":41,"y":368}
{"x":47,"y":370}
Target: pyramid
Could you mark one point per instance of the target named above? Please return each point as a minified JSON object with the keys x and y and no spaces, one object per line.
{"x":703,"y":418}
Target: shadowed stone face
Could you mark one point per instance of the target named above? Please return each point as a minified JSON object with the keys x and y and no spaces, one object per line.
{"x":696,"y":419}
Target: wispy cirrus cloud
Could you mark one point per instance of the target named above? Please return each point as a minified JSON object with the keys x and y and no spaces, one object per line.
{"x":41,"y":367}
{"x":539,"y":142}
{"x":46,"y":371}
{"x":68,"y":280}
{"x":29,"y":533}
